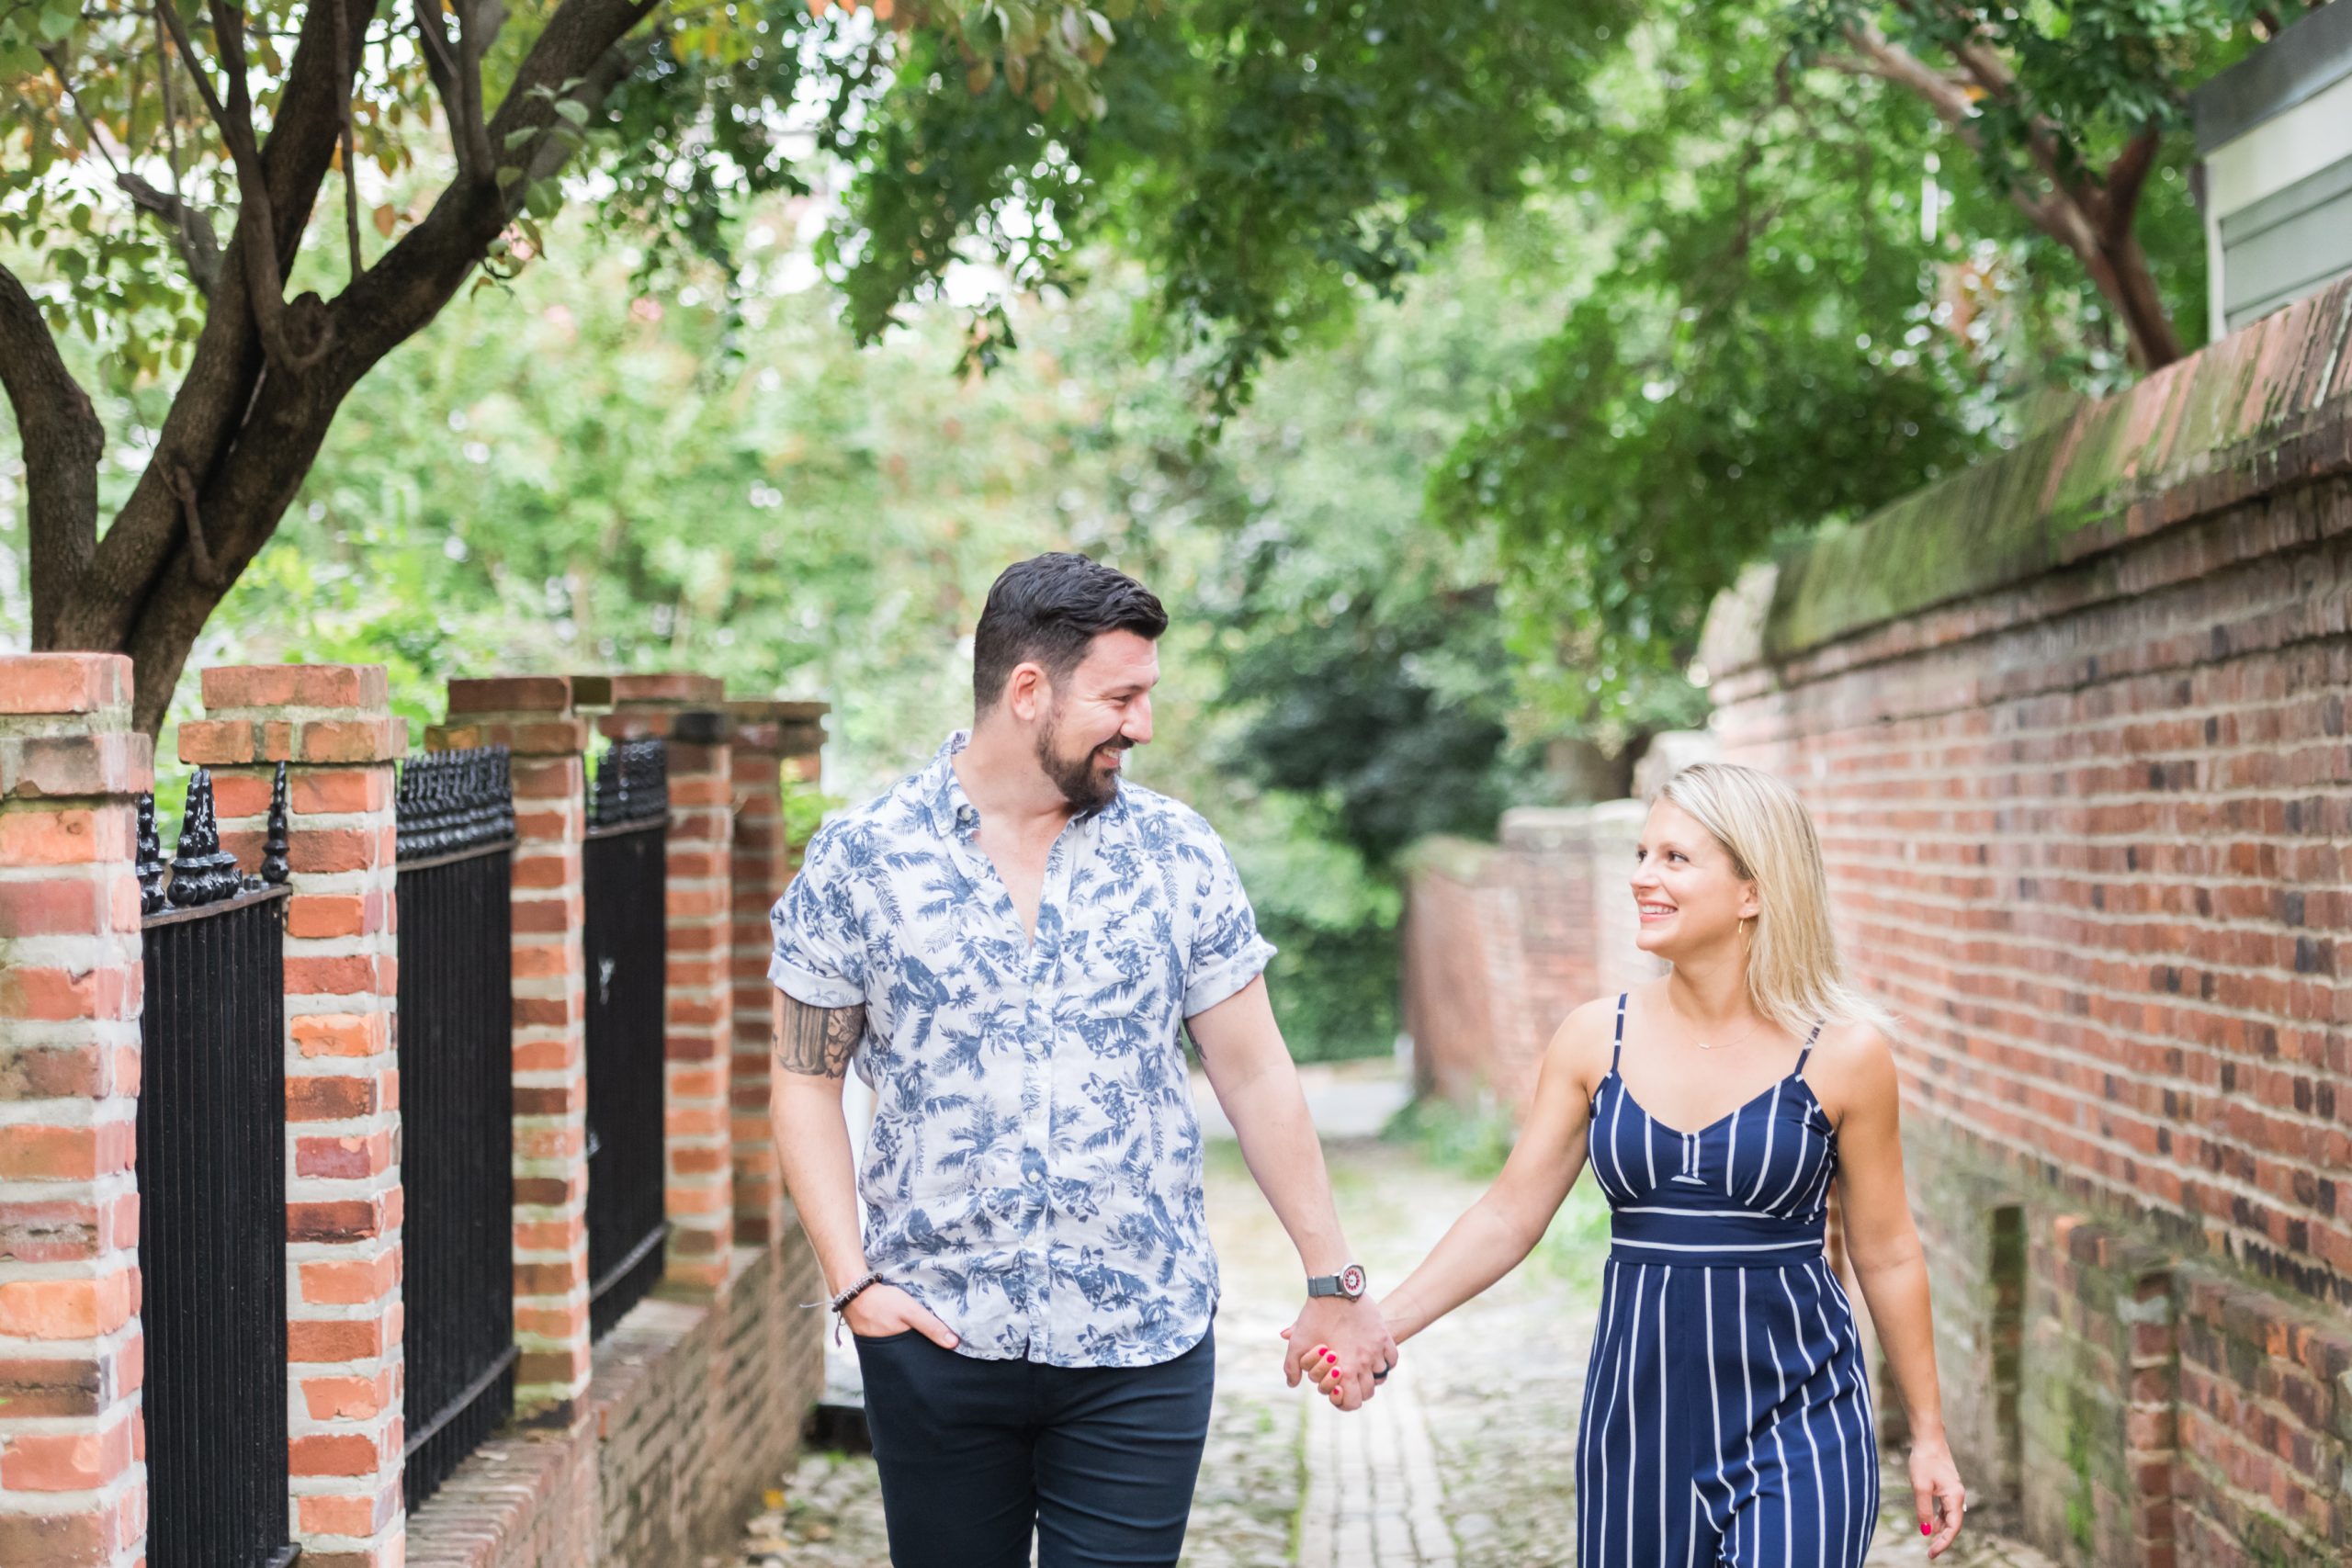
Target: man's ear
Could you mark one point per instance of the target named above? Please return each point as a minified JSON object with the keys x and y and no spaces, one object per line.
{"x":1027,"y":691}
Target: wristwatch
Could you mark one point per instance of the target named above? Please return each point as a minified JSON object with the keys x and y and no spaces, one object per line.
{"x":1348,"y":1282}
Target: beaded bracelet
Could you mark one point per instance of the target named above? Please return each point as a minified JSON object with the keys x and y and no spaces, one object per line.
{"x":866,"y":1281}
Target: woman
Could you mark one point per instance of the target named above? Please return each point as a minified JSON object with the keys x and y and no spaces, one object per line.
{"x":1728,"y":1407}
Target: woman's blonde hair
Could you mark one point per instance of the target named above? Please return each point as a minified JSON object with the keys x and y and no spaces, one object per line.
{"x":1793,"y":975}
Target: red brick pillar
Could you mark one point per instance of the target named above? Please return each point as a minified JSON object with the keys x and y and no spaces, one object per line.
{"x":534,"y":718}
{"x":72,"y":1488}
{"x":330,"y":724}
{"x":698,"y":1038}
{"x":772,"y":740}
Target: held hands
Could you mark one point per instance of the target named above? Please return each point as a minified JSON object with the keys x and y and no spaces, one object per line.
{"x":1936,"y":1490}
{"x":879,"y":1310}
{"x":1339,"y":1345}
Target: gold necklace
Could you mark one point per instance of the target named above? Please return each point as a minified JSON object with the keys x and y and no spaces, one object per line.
{"x":1710,"y":1046}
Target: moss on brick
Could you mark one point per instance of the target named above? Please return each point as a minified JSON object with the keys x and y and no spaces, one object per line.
{"x":2031,"y":509}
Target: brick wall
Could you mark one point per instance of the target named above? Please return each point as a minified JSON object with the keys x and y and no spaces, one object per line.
{"x":1502,"y":942}
{"x":772,"y":741}
{"x":535,"y":718}
{"x":330,"y":726}
{"x":2072,"y":727}
{"x":73,"y":1489}
{"x":694,"y":1409}
{"x":653,"y":1445}
{"x":699,"y":1031}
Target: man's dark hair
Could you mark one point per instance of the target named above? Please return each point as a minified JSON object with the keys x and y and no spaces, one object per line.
{"x":1049,"y":608}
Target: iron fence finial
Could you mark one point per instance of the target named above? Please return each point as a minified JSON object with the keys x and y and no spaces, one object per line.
{"x":149,"y":866}
{"x":202,"y":872}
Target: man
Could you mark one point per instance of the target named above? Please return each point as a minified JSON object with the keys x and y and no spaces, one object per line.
{"x":1004,"y":946}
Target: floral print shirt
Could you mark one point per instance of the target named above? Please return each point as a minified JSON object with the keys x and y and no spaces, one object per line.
{"x":1033,"y":1175}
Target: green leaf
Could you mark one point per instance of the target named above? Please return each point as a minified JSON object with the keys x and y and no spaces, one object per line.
{"x":572,"y":110}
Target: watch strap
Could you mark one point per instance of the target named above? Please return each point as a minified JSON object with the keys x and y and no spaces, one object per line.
{"x":1348,"y":1282}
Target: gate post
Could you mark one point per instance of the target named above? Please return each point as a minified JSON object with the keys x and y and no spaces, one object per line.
{"x":72,"y":1487}
{"x":688,"y":711}
{"x":771,"y":740}
{"x":535,"y":719}
{"x":332,"y":725}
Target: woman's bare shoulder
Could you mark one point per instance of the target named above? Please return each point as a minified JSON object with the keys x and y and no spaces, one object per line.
{"x":1852,"y":1065}
{"x":1580,"y":1045}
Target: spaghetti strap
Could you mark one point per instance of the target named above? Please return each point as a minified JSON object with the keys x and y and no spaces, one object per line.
{"x":1618,"y":1049}
{"x":1806,"y":1054}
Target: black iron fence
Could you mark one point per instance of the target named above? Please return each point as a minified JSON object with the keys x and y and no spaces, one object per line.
{"x":211,"y":1153}
{"x":627,"y":950}
{"x":455,"y":813}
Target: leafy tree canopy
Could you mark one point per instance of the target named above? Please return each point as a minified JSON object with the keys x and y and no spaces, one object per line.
{"x":175,"y":172}
{"x":1849,"y":247}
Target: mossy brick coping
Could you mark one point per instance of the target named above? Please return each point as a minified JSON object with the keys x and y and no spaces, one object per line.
{"x":2241,"y":413}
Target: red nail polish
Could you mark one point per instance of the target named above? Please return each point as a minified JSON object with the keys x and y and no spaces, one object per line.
{"x":1927,"y":1530}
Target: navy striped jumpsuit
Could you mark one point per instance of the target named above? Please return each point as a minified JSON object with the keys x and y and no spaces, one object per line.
{"x":1726,"y":1414}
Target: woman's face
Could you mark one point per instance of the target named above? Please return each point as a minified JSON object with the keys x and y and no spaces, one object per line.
{"x":1689,"y":894}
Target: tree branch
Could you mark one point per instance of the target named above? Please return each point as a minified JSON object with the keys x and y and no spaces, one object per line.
{"x":207,"y":572}
{"x":350,"y":154}
{"x":63,"y":443}
{"x":247,"y":438}
{"x":216,"y":395}
{"x":2120,"y":194}
{"x":1877,"y":55}
{"x":255,"y":240}
{"x":457,"y":78}
{"x":199,"y":249}
{"x":191,"y":232}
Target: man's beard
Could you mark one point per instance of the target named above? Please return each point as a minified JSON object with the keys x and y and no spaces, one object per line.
{"x":1081,"y":783}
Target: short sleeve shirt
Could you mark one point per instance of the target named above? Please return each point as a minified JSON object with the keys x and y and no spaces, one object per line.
{"x":1033,"y":1175}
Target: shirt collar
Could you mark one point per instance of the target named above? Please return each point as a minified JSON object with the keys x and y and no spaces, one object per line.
{"x":952,"y":813}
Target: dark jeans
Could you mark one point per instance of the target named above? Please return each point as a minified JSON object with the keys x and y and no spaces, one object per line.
{"x":1099,"y":1462}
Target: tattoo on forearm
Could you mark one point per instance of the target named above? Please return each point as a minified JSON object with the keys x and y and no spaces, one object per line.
{"x":818,"y":1042}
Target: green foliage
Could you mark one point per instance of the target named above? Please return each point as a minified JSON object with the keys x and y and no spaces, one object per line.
{"x":108,"y":142}
{"x":1473,"y":1140}
{"x":1363,"y":646}
{"x":1268,"y":164}
{"x":1816,"y":298}
{"x":805,"y":806}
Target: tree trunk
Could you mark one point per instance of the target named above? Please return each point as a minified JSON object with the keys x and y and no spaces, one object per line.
{"x":2120,"y":271}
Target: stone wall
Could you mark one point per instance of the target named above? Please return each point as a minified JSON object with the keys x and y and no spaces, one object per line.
{"x":2073,"y":726}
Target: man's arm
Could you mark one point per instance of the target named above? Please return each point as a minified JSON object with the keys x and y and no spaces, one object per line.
{"x":812,"y":1050}
{"x":1256,"y":1082}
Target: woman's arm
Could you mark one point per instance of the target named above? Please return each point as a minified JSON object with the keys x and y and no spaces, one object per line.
{"x":1892,"y":1269}
{"x":1507,"y":1222}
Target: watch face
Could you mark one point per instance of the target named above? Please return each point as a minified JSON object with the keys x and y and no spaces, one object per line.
{"x":1351,"y":1280}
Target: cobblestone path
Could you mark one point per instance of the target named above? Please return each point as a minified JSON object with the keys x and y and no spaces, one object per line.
{"x":1462,"y":1462}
